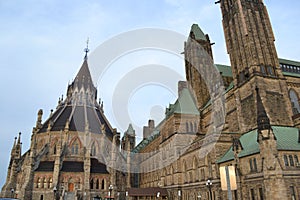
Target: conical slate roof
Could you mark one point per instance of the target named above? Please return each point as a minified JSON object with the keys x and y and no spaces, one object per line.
{"x":80,"y":111}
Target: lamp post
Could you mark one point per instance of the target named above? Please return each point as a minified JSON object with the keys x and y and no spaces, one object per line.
{"x":12,"y":192}
{"x":54,"y":192}
{"x":179,"y":194}
{"x":199,"y":196}
{"x":110,"y":190}
{"x":209,"y":184}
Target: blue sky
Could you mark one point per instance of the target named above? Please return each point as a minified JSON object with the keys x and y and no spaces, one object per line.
{"x":42,"y":46}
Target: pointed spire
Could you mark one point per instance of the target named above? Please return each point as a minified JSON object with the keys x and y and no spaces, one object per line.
{"x":19,"y":139}
{"x":263,"y":121}
{"x":197,"y":33}
{"x":130,"y":130}
{"x":86,"y":50}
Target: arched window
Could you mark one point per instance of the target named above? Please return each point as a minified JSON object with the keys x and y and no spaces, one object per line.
{"x":296,"y":159}
{"x":195,"y":127}
{"x":286,"y":161}
{"x":50,"y":183}
{"x":93,"y":149}
{"x":39,"y":183}
{"x":54,"y":150}
{"x":45,"y":183}
{"x":75,"y":147}
{"x":191,"y":127}
{"x":103,"y":184}
{"x":291,"y":160}
{"x":295,"y":101}
{"x":97,"y":184}
{"x":91,"y":184}
{"x":187,"y":126}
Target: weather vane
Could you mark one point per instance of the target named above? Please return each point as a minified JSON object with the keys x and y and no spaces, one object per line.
{"x":86,"y":50}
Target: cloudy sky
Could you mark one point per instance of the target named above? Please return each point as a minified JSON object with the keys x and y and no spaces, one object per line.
{"x":41,"y":50}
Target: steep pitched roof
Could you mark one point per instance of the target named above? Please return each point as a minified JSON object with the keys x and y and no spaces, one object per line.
{"x":287,"y":139}
{"x":83,"y":77}
{"x":79,"y":111}
{"x":263,"y":121}
{"x":184,"y":104}
{"x":197,"y":32}
{"x":130,"y":130}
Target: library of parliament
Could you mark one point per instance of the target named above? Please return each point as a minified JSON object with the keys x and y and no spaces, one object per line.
{"x":249,"y":148}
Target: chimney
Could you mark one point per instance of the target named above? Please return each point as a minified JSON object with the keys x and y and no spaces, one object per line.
{"x":147,"y":130}
{"x":181,"y":86}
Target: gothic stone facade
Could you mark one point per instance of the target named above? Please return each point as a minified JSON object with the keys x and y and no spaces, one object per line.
{"x":260,"y":136}
{"x":70,"y":152}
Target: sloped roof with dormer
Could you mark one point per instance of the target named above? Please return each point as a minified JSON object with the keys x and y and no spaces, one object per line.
{"x":287,"y":140}
{"x":185,"y":104}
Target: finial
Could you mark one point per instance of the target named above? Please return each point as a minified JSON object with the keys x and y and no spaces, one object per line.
{"x":86,"y":50}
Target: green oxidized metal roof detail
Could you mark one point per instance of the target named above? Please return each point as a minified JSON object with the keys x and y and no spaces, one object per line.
{"x":287,"y":139}
{"x":225,"y":70}
{"x":289,"y":62}
{"x":198,"y":33}
{"x":185,"y":104}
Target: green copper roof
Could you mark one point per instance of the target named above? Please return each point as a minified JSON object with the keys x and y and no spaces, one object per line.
{"x":130,"y":130}
{"x":291,"y":74}
{"x":199,"y":35}
{"x":184,"y":104}
{"x":225,"y":70}
{"x":289,"y":62}
{"x":287,"y":139}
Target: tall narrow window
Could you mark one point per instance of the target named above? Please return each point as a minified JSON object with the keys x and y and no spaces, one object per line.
{"x":191,"y":127}
{"x":293,"y":194}
{"x":251,"y":165}
{"x":252,"y":194}
{"x":75,"y":147}
{"x":254,"y":165}
{"x":294,"y":101}
{"x":54,"y":150}
{"x":92,"y":184}
{"x":102,"y":184}
{"x":93,"y":149}
{"x":286,"y":161}
{"x":187,"y":126}
{"x":261,"y":194}
{"x":97,"y":184}
{"x":291,"y":160}
{"x":296,"y":160}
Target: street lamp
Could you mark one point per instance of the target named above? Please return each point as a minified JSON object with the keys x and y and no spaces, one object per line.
{"x":208,"y":184}
{"x":199,"y":195}
{"x":54,"y":192}
{"x":179,"y":193}
{"x":12,"y":192}
{"x":110,"y":190}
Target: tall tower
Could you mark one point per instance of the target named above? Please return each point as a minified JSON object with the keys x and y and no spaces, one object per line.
{"x":250,"y":39}
{"x":197,"y":46}
{"x":254,"y":62}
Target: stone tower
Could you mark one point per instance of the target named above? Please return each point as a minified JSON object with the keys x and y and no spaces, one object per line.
{"x":254,"y":62}
{"x":198,"y":45}
{"x":272,"y":170}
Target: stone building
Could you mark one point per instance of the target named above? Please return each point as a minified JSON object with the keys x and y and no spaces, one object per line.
{"x":72,"y":154}
{"x":245,"y":116}
{"x":259,"y":127}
